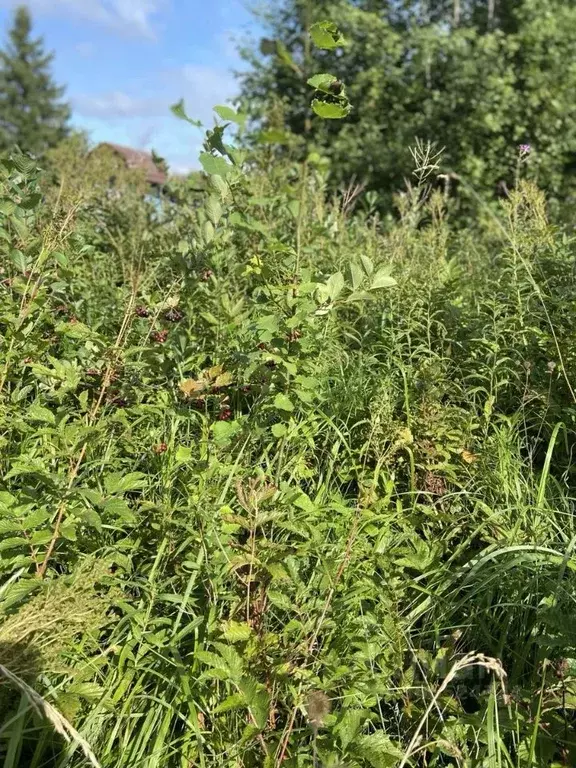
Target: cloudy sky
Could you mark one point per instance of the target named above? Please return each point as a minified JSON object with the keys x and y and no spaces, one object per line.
{"x":124,"y":62}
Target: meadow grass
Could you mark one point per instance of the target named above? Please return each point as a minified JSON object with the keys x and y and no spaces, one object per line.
{"x":260,"y":451}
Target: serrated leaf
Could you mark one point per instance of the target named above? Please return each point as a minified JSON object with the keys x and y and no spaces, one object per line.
{"x":34,"y":519}
{"x":283,"y":402}
{"x":208,"y":232}
{"x":349,"y":726}
{"x":356,"y":274}
{"x":330,"y":110}
{"x":213,"y":209}
{"x":11,"y":542}
{"x":382,"y":279}
{"x":75,"y":330}
{"x":119,"y":483}
{"x":227,"y":113}
{"x":280,"y":600}
{"x":91,"y":518}
{"x":279,"y":430}
{"x":214,"y":165}
{"x":119,"y":508}
{"x":19,"y":260}
{"x":322,"y":82}
{"x":367,"y":264}
{"x":39,"y":538}
{"x":379,"y":750}
{"x":326,"y":35}
{"x":335,"y":284}
{"x":220,"y":186}
{"x":37,"y":412}
{"x":237,"y":631}
{"x":224,"y":431}
{"x":235,"y":701}
{"x":68,"y":530}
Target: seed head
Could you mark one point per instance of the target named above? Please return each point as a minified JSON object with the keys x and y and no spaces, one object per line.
{"x":317,"y":708}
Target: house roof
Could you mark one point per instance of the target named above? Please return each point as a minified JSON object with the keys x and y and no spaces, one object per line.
{"x":138,"y":159}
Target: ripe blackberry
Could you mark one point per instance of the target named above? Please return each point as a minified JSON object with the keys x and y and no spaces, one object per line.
{"x":159,"y":336}
{"x":142,"y":312}
{"x":173,"y":315}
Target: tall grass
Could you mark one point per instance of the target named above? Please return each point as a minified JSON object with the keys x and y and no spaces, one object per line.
{"x":229,"y":489}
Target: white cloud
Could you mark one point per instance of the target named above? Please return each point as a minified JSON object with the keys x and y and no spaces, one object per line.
{"x":130,"y":17}
{"x":129,"y":117}
{"x":118,"y":104}
{"x":202,"y":87}
{"x":205,"y":87}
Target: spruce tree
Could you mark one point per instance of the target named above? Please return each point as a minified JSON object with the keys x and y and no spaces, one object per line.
{"x":32,"y":113}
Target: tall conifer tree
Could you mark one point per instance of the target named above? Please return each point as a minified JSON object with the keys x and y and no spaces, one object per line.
{"x":32,"y":112}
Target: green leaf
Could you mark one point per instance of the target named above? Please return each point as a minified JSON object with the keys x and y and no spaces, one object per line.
{"x":382,"y":279}
{"x":68,"y":530}
{"x":37,"y":412}
{"x":218,"y":184}
{"x":39,"y":538}
{"x":279,"y":430}
{"x":326,"y":35}
{"x":23,"y":163}
{"x":367,"y":264}
{"x":208,"y":231}
{"x":235,"y":701}
{"x":19,"y":260}
{"x":180,"y":112}
{"x":329,"y":110}
{"x":119,"y":483}
{"x":322,"y":82}
{"x":224,"y":431}
{"x":11,"y":542}
{"x":335,"y":284}
{"x":227,"y":113}
{"x":379,"y":750}
{"x":348,"y":727}
{"x":75,"y":330}
{"x":119,"y":508}
{"x":237,"y":631}
{"x":213,"y":209}
{"x":183,"y":454}
{"x":214,"y":165}
{"x":283,"y":402}
{"x":356,"y":274}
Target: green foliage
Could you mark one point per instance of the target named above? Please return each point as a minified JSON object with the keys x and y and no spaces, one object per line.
{"x":33,"y":115}
{"x":280,"y":485}
{"x":481,"y":78}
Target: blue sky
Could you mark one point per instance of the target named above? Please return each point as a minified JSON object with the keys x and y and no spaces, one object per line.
{"x":124,"y":62}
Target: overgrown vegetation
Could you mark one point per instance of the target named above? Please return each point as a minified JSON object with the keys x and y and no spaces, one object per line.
{"x":478,"y":76}
{"x":282,"y":485}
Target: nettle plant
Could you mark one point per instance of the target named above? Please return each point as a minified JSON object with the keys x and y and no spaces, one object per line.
{"x":286,"y":328}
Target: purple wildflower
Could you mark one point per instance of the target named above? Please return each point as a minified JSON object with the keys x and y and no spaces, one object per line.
{"x":525,"y":149}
